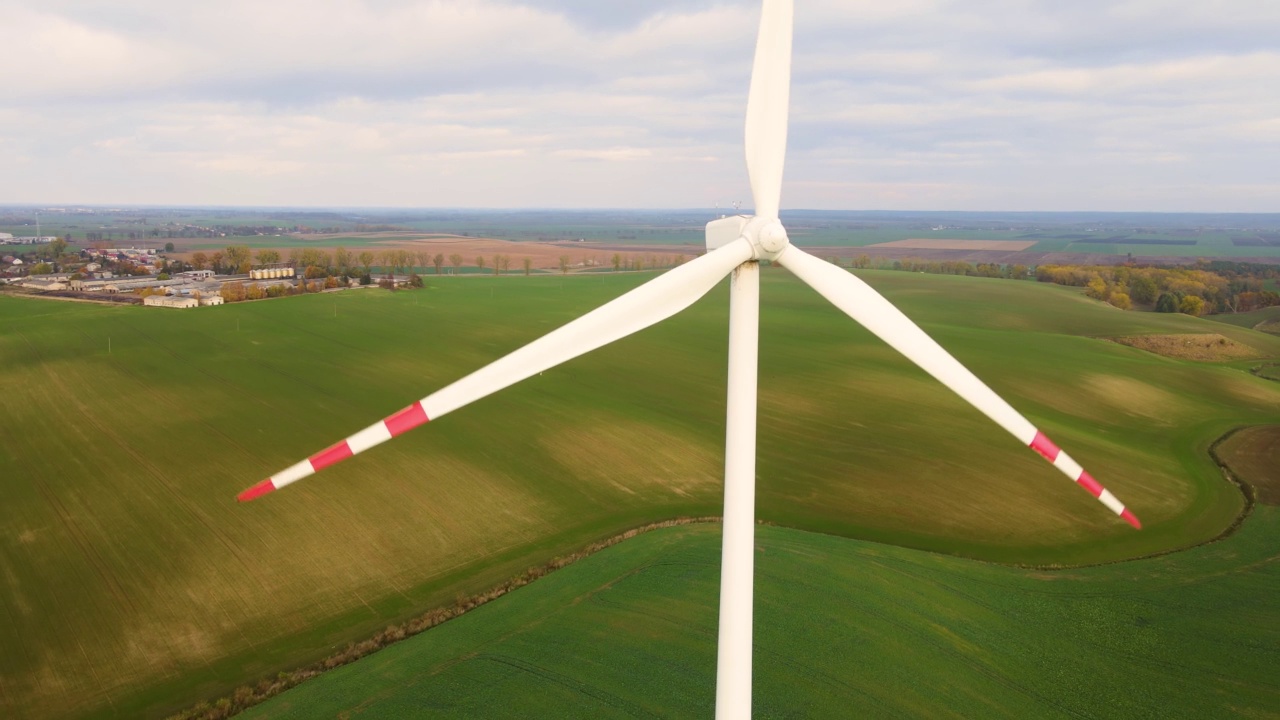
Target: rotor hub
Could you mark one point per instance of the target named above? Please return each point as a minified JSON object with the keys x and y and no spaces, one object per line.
{"x":767,"y":237}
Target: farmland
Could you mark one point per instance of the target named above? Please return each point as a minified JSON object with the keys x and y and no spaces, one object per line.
{"x":845,"y":628}
{"x":135,"y":585}
{"x":1045,"y":237}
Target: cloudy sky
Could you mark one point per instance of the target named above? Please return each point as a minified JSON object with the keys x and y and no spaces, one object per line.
{"x":1162,"y":105}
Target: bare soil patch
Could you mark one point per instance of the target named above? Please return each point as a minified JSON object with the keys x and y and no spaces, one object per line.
{"x":390,"y":234}
{"x":955,"y":244}
{"x":1207,"y":347}
{"x":1253,"y":454}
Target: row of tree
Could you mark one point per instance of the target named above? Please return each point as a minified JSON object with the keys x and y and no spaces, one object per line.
{"x":1195,"y":290}
{"x":1216,"y":286}
{"x":941,"y":267}
{"x":240,"y":259}
{"x":238,"y":291}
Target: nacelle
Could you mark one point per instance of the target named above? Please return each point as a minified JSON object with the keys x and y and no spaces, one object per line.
{"x":725,"y":230}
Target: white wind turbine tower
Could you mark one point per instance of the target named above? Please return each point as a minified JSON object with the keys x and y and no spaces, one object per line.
{"x":735,"y":246}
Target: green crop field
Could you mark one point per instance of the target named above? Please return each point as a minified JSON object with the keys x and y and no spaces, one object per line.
{"x":1267,"y":319}
{"x":134,"y":585}
{"x":844,"y":628}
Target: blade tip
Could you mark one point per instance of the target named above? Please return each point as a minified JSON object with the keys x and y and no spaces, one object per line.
{"x":1131,"y":519}
{"x":256,"y":491}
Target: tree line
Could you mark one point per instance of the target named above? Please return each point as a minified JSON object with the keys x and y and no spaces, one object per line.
{"x":1208,"y":286}
{"x":1200,"y":289}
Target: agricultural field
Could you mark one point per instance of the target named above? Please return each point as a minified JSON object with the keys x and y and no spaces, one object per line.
{"x":1165,"y":236}
{"x":134,"y":585}
{"x":1265,"y":320}
{"x":844,"y":628}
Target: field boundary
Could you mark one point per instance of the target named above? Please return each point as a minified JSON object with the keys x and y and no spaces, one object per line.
{"x":246,"y":696}
{"x":1260,"y":369}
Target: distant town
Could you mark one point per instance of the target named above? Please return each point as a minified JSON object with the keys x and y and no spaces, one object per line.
{"x":152,"y":277}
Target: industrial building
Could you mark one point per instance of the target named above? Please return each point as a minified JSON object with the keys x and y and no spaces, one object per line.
{"x":272,"y":272}
{"x":173,"y":302}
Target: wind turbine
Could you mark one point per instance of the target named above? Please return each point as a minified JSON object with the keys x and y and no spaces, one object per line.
{"x":735,"y":246}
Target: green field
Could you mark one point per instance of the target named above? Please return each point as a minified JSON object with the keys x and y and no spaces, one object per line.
{"x":844,"y":628}
{"x":134,"y":585}
{"x":1267,"y":319}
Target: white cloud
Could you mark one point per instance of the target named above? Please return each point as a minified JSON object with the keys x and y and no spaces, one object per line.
{"x":1018,"y":104}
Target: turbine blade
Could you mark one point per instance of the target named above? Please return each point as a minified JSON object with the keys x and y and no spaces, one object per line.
{"x":767,"y":107}
{"x":656,"y":300}
{"x":862,"y":303}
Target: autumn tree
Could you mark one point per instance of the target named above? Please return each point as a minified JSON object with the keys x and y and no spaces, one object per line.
{"x":527,"y":262}
{"x":1143,"y":289}
{"x":237,"y":256}
{"x":216,"y":261}
{"x":232,"y":291}
{"x":341,"y":258}
{"x":1120,"y":300}
{"x":456,"y":261}
{"x":268,"y":257}
{"x":1191,"y":305}
{"x":617,"y":261}
{"x":437,"y":260}
{"x":1097,"y":289}
{"x":366,"y":261}
{"x":480,"y":261}
{"x":564,"y":264}
{"x":312,"y":257}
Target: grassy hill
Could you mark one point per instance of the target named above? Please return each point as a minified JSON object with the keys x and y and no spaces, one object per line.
{"x":133,"y":583}
{"x":1267,"y":319}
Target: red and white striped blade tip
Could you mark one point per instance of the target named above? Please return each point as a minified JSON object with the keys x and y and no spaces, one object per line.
{"x":1131,"y":518}
{"x":1054,"y":454}
{"x":377,"y":433}
{"x":256,"y":491}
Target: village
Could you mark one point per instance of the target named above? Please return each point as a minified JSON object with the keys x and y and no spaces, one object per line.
{"x":145,"y":274}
